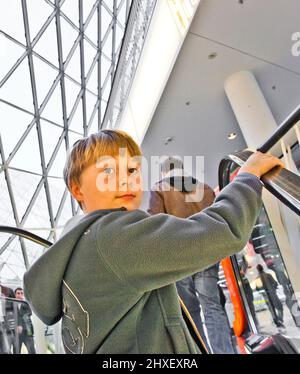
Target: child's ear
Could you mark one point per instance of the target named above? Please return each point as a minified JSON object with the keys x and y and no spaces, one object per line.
{"x":76,"y":192}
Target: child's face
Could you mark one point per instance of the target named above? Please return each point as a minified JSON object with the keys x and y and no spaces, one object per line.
{"x":110,"y":183}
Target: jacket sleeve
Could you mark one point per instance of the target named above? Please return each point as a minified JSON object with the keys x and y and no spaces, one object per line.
{"x":156,"y":203}
{"x":149,"y":252}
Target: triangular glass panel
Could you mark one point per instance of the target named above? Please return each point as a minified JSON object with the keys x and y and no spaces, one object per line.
{"x":91,"y":30}
{"x":47,"y":44}
{"x":57,"y":188}
{"x":72,"y":91}
{"x":39,"y":214}
{"x":10,"y":52}
{"x":73,"y":68}
{"x":94,"y":125}
{"x":106,"y":19}
{"x":87,"y":7}
{"x":71,"y":10}
{"x":90,"y":104}
{"x":53,"y":109}
{"x":107,"y":46}
{"x":66,"y":212}
{"x":105,"y":66}
{"x":68,"y":35}
{"x":3,"y":239}
{"x":11,"y":20}
{"x":12,"y":126}
{"x":92,"y":84}
{"x":106,"y":91}
{"x":57,"y":167}
{"x":22,"y":96}
{"x":77,"y":120}
{"x":6,"y":212}
{"x":38,"y":13}
{"x":23,"y":186}
{"x":14,"y":265}
{"x":110,"y":4}
{"x":44,"y":78}
{"x":28,"y":155}
{"x":51,"y":135}
{"x":89,"y":55}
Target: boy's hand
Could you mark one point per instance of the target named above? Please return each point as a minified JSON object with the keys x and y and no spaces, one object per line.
{"x":260,"y":163}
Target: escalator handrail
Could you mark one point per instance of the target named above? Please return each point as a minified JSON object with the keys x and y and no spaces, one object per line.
{"x":283,"y":184}
{"x":26,"y":234}
{"x":14,"y":300}
{"x":282,"y":129}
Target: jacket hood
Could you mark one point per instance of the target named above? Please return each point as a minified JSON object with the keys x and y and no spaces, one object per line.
{"x":182,"y":183}
{"x":48,"y":271}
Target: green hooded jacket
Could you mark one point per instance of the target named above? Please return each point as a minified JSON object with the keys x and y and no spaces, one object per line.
{"x":111,"y":277}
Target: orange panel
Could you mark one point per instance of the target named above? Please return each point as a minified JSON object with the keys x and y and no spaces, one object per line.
{"x":240,"y":320}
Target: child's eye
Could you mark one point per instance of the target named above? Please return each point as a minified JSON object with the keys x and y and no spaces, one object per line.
{"x":108,"y":171}
{"x":133,"y":170}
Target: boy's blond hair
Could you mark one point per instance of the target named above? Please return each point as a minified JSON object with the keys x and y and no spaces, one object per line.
{"x":87,"y":150}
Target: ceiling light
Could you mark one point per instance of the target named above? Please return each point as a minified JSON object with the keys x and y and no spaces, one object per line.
{"x":169,"y":139}
{"x":231,"y":136}
{"x":212,"y":55}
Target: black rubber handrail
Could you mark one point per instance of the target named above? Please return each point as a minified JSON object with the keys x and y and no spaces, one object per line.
{"x":13,"y":300}
{"x":283,"y":184}
{"x":25,"y":234}
{"x":283,"y":128}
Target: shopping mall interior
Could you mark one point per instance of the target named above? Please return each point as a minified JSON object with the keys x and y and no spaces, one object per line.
{"x":206,"y":81}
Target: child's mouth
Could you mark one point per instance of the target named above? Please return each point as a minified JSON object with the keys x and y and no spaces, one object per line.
{"x":127,"y":197}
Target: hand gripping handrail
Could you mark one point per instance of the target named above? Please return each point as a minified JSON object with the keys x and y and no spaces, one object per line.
{"x":283,"y":184}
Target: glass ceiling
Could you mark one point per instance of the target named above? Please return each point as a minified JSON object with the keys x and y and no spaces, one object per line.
{"x":57,"y":63}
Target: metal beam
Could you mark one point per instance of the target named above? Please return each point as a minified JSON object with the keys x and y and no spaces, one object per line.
{"x":99,"y":46}
{"x":62,"y":73}
{"x":113,"y":49}
{"x":36,"y":109}
{"x":82,"y":67}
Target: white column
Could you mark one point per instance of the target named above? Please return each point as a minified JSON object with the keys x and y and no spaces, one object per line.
{"x":250,"y":108}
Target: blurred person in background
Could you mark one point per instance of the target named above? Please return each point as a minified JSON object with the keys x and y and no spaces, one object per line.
{"x":181,"y":195}
{"x":24,"y":327}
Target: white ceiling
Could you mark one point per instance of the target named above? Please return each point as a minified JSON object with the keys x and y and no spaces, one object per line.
{"x":255,"y":35}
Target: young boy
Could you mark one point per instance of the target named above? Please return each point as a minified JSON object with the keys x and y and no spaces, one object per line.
{"x":111,"y":277}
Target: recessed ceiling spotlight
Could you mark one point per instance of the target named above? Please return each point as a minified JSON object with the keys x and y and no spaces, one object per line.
{"x":231,"y":136}
{"x":169,"y":139}
{"x":212,"y":56}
